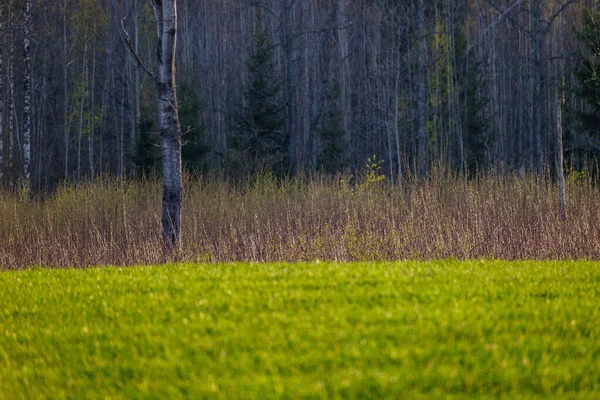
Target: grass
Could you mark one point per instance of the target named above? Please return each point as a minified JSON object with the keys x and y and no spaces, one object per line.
{"x":304,"y":219}
{"x":313,"y":330}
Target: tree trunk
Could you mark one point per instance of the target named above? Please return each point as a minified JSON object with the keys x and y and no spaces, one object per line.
{"x":81,"y":106}
{"x":290,"y":82}
{"x":421,"y":95}
{"x":27,"y":95}
{"x":1,"y":101}
{"x":93,"y":117}
{"x":397,"y":127}
{"x":559,"y":150}
{"x":65,"y":90}
{"x":168,"y":121}
{"x":537,"y":90}
{"x":560,"y":101}
{"x":11,"y":93}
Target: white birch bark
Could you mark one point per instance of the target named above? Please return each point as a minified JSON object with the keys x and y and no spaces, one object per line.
{"x":168,"y":120}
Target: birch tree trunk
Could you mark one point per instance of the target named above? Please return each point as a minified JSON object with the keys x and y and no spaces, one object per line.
{"x":27,"y":94}
{"x":168,"y":120}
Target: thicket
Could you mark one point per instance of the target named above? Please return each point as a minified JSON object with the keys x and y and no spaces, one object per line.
{"x":308,"y":217}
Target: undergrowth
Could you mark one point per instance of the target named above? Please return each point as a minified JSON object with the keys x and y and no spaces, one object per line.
{"x":305,"y":218}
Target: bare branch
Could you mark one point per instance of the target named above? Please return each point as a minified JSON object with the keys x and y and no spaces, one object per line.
{"x":503,"y":14}
{"x":558,"y":12}
{"x":130,"y":44}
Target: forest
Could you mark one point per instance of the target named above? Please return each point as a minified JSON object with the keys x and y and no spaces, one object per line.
{"x":293,"y":86}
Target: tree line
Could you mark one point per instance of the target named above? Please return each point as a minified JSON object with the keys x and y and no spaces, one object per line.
{"x":294,"y":85}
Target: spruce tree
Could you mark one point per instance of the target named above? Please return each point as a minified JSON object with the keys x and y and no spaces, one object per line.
{"x":147,"y":153}
{"x":195,"y":146}
{"x":332,"y":155}
{"x":476,"y":124}
{"x":473,"y":107}
{"x":258,"y":137}
{"x":587,"y":73}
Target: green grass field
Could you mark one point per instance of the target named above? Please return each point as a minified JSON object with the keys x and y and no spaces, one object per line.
{"x":382,"y":330}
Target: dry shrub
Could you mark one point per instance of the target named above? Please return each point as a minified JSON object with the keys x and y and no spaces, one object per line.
{"x":305,"y":218}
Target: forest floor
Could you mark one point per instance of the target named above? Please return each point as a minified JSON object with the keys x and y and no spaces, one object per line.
{"x":318,"y":330}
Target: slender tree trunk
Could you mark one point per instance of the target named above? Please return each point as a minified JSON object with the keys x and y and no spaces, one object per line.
{"x":11,"y":94}
{"x":290,"y":82}
{"x":65,"y":90}
{"x":396,"y":125}
{"x":103,"y":107}
{"x":122,"y":128}
{"x":136,"y":97}
{"x":559,"y":150}
{"x":341,"y":20}
{"x":2,"y":94}
{"x":168,"y":120}
{"x":93,"y":117}
{"x":27,"y":94}
{"x":421,"y":95}
{"x":81,"y":107}
{"x":537,"y":91}
{"x":560,"y":101}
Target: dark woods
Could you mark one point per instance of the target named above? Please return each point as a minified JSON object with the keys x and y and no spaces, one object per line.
{"x":290,"y":86}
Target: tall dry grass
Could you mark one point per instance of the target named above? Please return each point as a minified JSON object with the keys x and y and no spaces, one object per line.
{"x":305,"y":218}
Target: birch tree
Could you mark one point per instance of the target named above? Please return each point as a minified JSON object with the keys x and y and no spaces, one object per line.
{"x":164,"y":78}
{"x":168,"y":120}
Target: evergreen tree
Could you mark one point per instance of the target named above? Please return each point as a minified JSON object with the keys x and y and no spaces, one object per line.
{"x":332,"y":157}
{"x":258,"y":136}
{"x":195,"y":146}
{"x":587,"y":73}
{"x":473,"y":106}
{"x":476,"y":124}
{"x":147,"y":154}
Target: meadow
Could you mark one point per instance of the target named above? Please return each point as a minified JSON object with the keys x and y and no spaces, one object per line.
{"x":447,"y":329}
{"x":342,"y":218}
